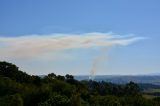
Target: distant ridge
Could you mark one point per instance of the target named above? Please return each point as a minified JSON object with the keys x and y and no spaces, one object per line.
{"x":122,"y":79}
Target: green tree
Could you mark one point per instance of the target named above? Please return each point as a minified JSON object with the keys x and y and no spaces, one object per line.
{"x":11,"y":100}
{"x":132,"y":89}
{"x":75,"y":100}
{"x":52,"y":76}
{"x":59,"y":77}
{"x":56,"y":100}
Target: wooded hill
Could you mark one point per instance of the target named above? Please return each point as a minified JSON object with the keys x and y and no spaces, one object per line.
{"x":18,"y":88}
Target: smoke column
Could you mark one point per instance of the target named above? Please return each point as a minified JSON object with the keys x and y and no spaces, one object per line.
{"x":102,"y":57}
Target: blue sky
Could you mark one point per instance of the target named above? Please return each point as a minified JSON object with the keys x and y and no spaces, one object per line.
{"x":37,"y":18}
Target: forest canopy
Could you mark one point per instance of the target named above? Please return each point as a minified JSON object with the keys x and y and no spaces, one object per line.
{"x":18,"y":88}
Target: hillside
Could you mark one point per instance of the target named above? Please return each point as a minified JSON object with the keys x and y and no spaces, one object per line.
{"x":18,"y":88}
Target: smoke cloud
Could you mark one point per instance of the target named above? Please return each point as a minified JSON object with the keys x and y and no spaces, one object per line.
{"x":33,"y":45}
{"x":30,"y":46}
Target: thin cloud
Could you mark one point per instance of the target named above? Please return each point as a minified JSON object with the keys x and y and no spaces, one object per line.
{"x":33,"y":45}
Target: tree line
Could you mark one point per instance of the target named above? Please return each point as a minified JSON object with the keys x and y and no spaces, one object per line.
{"x":18,"y":88}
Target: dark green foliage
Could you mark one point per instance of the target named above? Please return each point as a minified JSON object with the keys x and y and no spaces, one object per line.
{"x":20,"y":89}
{"x":132,"y":89}
{"x":9,"y":87}
{"x":36,"y":80}
{"x":11,"y":100}
{"x":136,"y":100}
{"x":104,"y":101}
{"x":59,"y":77}
{"x":56,"y":100}
{"x":11,"y":71}
{"x":156,"y":101}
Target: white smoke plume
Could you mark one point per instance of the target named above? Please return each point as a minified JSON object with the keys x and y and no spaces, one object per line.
{"x":98,"y":60}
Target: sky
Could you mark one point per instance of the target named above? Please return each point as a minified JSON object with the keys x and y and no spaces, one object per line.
{"x":81,"y":37}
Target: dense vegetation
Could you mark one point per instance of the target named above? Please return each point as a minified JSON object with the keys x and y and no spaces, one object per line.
{"x":17,"y":88}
